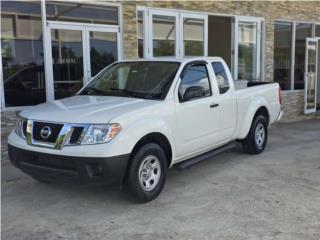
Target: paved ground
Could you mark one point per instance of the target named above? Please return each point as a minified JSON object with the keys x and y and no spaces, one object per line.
{"x":275,"y":195}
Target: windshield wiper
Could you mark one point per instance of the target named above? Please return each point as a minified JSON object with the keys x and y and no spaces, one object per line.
{"x":129,"y":93}
{"x":137,"y":94}
{"x":93,"y":89}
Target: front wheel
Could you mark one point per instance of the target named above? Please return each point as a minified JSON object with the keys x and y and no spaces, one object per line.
{"x":147,"y":172}
{"x":256,"y":140}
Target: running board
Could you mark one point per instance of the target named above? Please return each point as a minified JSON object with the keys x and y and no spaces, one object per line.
{"x":204,"y":156}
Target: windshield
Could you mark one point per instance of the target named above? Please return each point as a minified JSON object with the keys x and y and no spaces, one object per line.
{"x":148,"y":80}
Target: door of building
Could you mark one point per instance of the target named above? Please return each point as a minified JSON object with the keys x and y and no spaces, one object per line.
{"x":318,"y":77}
{"x":77,"y":52}
{"x":247,"y":48}
{"x":310,"y":76}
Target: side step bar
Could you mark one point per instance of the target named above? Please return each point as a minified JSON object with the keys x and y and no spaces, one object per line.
{"x":200,"y":158}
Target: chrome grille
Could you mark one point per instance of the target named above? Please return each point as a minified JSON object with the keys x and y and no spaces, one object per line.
{"x":61,"y":134}
{"x":55,"y":130}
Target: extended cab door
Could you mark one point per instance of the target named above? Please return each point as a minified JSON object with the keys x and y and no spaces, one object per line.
{"x":226,"y":99}
{"x":197,"y":119}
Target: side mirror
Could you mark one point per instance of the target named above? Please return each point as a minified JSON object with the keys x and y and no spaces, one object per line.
{"x":193,"y":92}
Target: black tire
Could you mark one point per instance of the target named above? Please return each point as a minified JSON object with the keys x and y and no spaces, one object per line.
{"x":250,"y":144}
{"x":137,"y":164}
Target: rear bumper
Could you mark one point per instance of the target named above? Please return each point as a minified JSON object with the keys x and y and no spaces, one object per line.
{"x":279,"y":116}
{"x":60,"y":168}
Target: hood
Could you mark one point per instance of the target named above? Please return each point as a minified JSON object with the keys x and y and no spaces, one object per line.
{"x":85,"y":109}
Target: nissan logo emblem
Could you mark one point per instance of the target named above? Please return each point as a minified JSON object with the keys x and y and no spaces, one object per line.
{"x":45,"y":132}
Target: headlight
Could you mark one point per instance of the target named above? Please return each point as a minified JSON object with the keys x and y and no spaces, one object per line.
{"x":100,"y":133}
{"x":20,"y":127}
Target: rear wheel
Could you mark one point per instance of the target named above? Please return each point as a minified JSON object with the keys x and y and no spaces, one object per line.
{"x":257,"y":137}
{"x":147,"y":173}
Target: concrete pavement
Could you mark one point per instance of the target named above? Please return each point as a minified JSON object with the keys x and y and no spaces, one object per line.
{"x":275,"y":195}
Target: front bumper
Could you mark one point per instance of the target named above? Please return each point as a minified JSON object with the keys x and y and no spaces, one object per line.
{"x":60,"y":168}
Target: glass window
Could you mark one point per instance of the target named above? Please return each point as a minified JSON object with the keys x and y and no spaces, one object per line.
{"x":67,"y":58}
{"x":194,"y":79}
{"x":22,"y":53}
{"x":79,"y":12}
{"x":103,"y":50}
{"x":221,"y":76}
{"x":247,"y":51}
{"x":149,"y":80}
{"x":311,"y":77}
{"x":193,"y":37}
{"x":303,"y":30}
{"x":317,"y":33}
{"x":164,"y":35}
{"x":140,"y":34}
{"x":282,"y":54}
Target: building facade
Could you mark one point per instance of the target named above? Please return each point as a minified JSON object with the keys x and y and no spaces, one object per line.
{"x":50,"y":49}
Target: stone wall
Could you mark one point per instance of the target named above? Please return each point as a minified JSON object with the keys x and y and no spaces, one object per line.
{"x":270,"y":11}
{"x":8,"y":120}
{"x":293,"y":107}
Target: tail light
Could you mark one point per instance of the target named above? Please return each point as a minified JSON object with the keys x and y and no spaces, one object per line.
{"x":280,"y":95}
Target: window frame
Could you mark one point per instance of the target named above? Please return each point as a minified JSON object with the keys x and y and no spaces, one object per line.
{"x":203,"y":17}
{"x":293,"y":47}
{"x":292,"y":51}
{"x":144,"y":16}
{"x":179,"y":40}
{"x":146,"y":10}
{"x":155,"y":12}
{"x":2,"y":92}
{"x":185,"y":68}
{"x":90,"y":4}
{"x":49,"y":87}
{"x":260,"y":46}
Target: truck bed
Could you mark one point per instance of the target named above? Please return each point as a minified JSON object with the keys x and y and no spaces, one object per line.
{"x":249,"y":94}
{"x":242,"y":84}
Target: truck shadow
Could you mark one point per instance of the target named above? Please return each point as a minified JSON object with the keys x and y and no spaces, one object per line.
{"x":107,"y":195}
{"x":175,"y":178}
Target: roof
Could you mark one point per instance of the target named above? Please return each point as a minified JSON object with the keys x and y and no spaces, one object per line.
{"x":172,"y":59}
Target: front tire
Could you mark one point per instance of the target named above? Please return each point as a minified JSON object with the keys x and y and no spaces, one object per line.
{"x":147,"y":174}
{"x":256,"y":140}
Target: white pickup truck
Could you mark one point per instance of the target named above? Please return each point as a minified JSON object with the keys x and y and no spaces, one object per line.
{"x":136,"y":119}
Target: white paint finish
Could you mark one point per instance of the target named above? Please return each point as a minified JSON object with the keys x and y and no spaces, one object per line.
{"x":191,"y":127}
{"x":197,"y":126}
{"x":227,"y":106}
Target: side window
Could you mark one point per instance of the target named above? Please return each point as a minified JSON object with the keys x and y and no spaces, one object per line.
{"x":194,"y":83}
{"x":221,"y":77}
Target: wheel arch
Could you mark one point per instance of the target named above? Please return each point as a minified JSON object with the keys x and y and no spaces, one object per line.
{"x":263,"y":110}
{"x":158,"y":138}
{"x":259,"y":110}
{"x":153,"y":137}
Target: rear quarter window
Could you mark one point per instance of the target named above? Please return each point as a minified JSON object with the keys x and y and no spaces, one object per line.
{"x":221,"y":76}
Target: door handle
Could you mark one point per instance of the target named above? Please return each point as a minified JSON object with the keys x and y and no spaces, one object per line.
{"x":214,"y":105}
